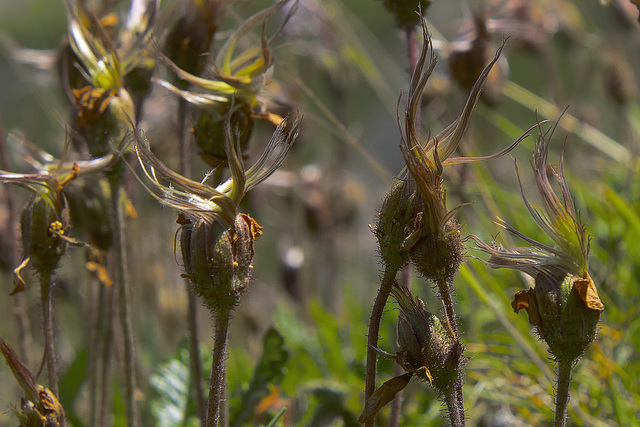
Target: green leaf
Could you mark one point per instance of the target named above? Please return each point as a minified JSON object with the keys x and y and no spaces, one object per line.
{"x":269,"y":370}
{"x":70,"y":385}
{"x":117,"y":404}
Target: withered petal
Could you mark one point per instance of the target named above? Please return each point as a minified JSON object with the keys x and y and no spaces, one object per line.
{"x":527,"y":300}
{"x":588,"y":292}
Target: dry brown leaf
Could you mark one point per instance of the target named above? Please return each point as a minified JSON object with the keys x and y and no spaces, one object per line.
{"x":382,"y":396}
{"x":588,"y":292}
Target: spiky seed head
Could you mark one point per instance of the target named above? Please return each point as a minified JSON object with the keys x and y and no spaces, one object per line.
{"x":38,"y":240}
{"x":426,"y":347}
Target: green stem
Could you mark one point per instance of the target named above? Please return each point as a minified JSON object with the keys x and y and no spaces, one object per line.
{"x":451,"y":399}
{"x":374,"y":329}
{"x":105,"y":340}
{"x":47,"y":325}
{"x":562,"y":394}
{"x":122,"y":280}
{"x":192,"y":320}
{"x":447,"y":302}
{"x":218,"y":367}
{"x":396,"y":404}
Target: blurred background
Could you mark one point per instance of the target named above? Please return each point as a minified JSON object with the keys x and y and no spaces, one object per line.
{"x":344,"y":65}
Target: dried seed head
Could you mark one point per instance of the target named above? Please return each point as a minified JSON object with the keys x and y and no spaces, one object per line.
{"x":564,"y":305}
{"x":190,"y":38}
{"x":439,"y":259}
{"x":88,"y":201}
{"x":38,"y":240}
{"x":565,"y":311}
{"x":431,"y":237}
{"x":394,"y":221}
{"x":426,"y":347}
{"x":219,"y":260}
{"x":41,"y":407}
{"x":210,"y":131}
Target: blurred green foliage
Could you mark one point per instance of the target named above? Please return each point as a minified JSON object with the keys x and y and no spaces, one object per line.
{"x":298,"y":341}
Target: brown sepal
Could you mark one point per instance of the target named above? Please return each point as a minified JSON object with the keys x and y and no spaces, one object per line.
{"x":527,"y":300}
{"x":588,"y":292}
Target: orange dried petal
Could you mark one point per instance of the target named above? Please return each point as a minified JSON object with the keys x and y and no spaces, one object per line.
{"x":588,"y":292}
{"x":527,"y":300}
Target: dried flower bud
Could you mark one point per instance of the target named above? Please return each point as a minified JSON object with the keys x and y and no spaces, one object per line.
{"x":438,"y":259}
{"x":189,"y":39}
{"x":565,"y":312}
{"x":41,"y":407}
{"x":88,"y":204}
{"x":426,"y":347}
{"x":38,"y":241}
{"x":210,"y":132}
{"x":564,"y":305}
{"x":394,"y":220}
{"x":219,"y":261}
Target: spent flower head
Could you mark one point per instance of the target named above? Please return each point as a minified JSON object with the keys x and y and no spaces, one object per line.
{"x":41,"y":407}
{"x":217,"y":240}
{"x":414,"y":221}
{"x":199,"y":200}
{"x":232,"y":78}
{"x":426,"y":349}
{"x":564,"y":305}
{"x":45,"y":220}
{"x":103,"y":58}
{"x":231,"y":83}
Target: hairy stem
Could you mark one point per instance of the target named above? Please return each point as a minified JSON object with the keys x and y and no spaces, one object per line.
{"x":374,"y":329}
{"x":122,"y":280}
{"x":18,"y":300}
{"x":451,"y":399}
{"x":218,"y":367}
{"x":396,"y":404}
{"x":47,"y":326}
{"x":562,"y":394}
{"x":447,"y":302}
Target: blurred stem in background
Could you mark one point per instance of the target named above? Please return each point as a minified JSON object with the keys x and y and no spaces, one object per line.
{"x":12,"y":258}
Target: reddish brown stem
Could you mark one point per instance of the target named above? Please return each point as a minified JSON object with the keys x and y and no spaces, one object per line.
{"x":374,"y":329}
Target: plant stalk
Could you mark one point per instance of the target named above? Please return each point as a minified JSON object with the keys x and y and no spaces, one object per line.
{"x":452,"y":400}
{"x":47,"y":325}
{"x":396,"y":404}
{"x":562,"y":394}
{"x":192,"y":320}
{"x":105,"y":339}
{"x":96,"y":314}
{"x":218,"y":368}
{"x":18,"y":300}
{"x":374,"y":329}
{"x":122,"y":280}
{"x":456,"y":393}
